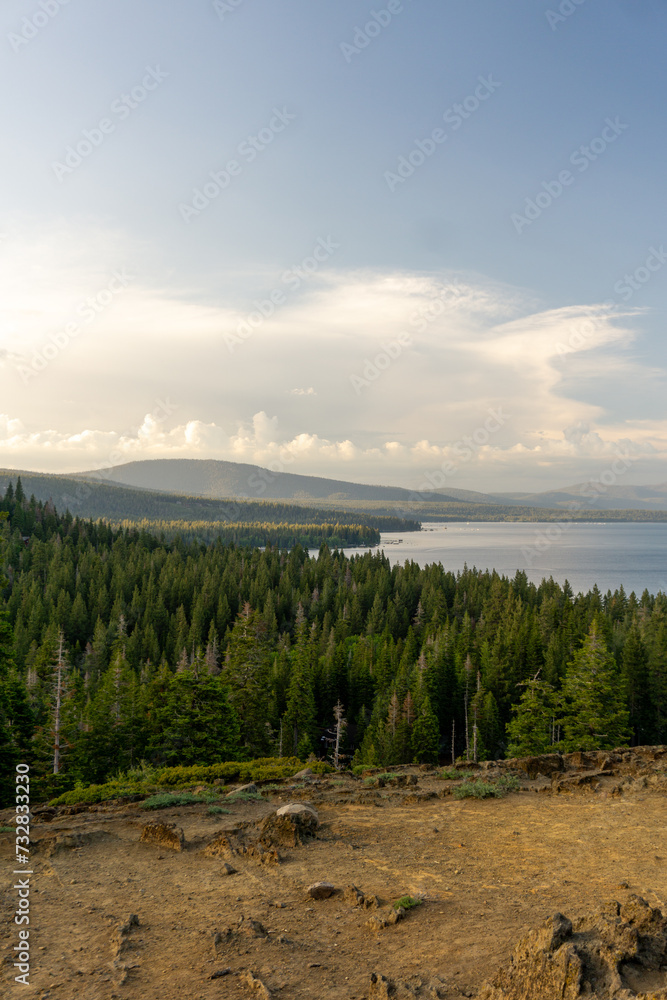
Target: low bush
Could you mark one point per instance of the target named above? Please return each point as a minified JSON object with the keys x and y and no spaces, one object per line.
{"x":146,"y":780}
{"x":477,"y":789}
{"x":454,"y":774}
{"x":216,"y":810}
{"x":244,"y":797}
{"x":406,"y":903}
{"x":165,"y":800}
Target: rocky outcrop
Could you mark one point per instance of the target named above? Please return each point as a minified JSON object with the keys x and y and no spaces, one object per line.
{"x":618,"y":953}
{"x":163,"y":835}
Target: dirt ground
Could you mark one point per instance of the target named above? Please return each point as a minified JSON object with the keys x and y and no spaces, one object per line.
{"x":487,"y":871}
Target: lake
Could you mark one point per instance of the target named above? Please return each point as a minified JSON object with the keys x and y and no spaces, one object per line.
{"x":609,"y":554}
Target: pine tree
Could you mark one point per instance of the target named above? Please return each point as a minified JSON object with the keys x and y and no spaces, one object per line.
{"x":195,"y":722}
{"x":531,"y":731}
{"x":300,"y":716}
{"x":594,"y":717}
{"x":425,"y":736}
{"x":246,"y":673}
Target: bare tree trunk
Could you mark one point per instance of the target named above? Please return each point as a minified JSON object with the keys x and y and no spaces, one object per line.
{"x":340,"y":725}
{"x":453,"y":738}
{"x":474,"y":737}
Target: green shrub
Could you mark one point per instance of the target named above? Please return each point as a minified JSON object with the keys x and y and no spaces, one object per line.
{"x":7,"y":829}
{"x":477,"y":789}
{"x":164,"y":800}
{"x":508,"y":783}
{"x":453,"y":774}
{"x":406,"y":903}
{"x":216,"y":810}
{"x":244,"y":797}
{"x":145,"y":780}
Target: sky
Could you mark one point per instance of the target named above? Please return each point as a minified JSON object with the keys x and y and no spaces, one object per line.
{"x":415,"y":243}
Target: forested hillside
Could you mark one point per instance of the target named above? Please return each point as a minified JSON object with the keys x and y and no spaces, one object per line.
{"x":176,"y":653}
{"x":97,"y":498}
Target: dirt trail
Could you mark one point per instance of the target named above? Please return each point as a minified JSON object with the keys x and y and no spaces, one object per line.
{"x":487,"y":870}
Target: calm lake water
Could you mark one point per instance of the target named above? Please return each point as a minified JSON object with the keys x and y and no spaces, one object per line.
{"x":611,"y":555}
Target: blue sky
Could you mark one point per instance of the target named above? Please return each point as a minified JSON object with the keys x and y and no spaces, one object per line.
{"x":426,"y":212}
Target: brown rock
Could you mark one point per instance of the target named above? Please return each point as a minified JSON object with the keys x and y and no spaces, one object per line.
{"x":250,"y":789}
{"x":291,"y":825}
{"x":164,"y":835}
{"x":220,"y":847}
{"x":321,"y":890}
{"x":546,"y":764}
{"x":258,"y":988}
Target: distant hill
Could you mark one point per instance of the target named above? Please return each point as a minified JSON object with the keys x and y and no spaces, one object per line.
{"x":96,"y":498}
{"x":217,"y":479}
{"x":625,"y":497}
{"x":288,"y":497}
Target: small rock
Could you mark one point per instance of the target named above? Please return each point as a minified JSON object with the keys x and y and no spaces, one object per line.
{"x":306,"y":773}
{"x":227,"y":869}
{"x":220,"y":973}
{"x":250,"y":788}
{"x":321,"y":890}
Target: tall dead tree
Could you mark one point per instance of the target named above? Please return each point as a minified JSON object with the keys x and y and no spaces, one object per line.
{"x":340,"y":726}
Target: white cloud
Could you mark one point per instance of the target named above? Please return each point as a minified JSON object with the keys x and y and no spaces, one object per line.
{"x":469,"y":345}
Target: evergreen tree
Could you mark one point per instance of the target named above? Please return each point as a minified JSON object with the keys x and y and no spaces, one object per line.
{"x":196,"y":723}
{"x":425,"y":736}
{"x":594,"y":715}
{"x":246,"y":673}
{"x":531,"y":729}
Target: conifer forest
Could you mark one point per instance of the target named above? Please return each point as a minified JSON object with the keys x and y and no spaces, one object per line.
{"x":119,"y":646}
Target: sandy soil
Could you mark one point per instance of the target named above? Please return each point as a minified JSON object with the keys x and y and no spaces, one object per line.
{"x":487,"y":871}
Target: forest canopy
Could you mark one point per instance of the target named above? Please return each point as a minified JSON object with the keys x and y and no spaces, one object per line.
{"x":181,"y":652}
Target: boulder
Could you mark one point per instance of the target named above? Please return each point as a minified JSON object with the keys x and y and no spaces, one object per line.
{"x":249,"y":789}
{"x":306,"y":773}
{"x":291,"y":825}
{"x":615,"y":954}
